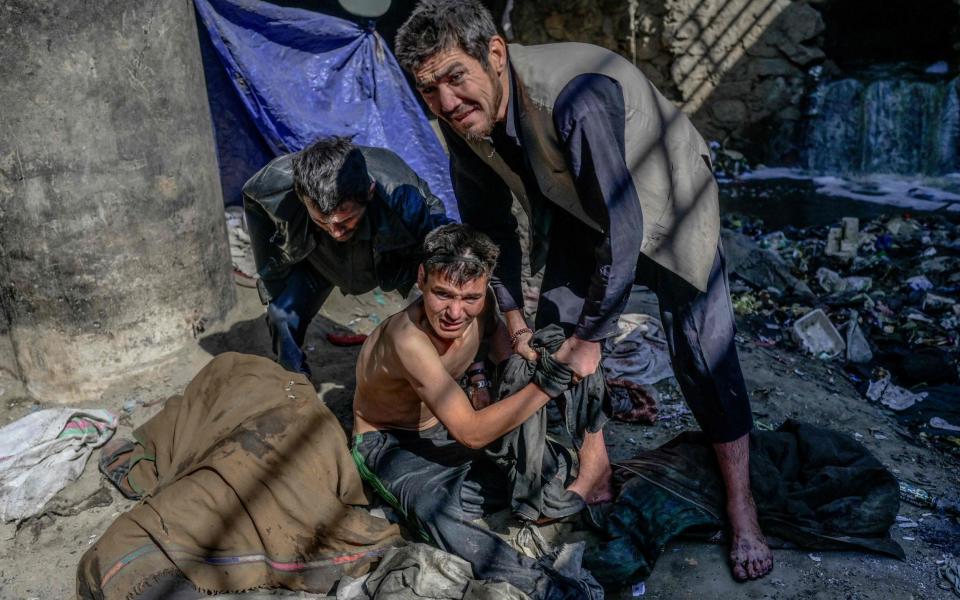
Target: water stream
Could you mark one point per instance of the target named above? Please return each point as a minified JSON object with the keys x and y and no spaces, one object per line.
{"x":885,"y":120}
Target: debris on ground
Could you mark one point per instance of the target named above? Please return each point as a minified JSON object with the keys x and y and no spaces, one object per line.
{"x":950,"y":571}
{"x":816,"y":334}
{"x":634,"y":360}
{"x":892,"y":396}
{"x":879,"y":298}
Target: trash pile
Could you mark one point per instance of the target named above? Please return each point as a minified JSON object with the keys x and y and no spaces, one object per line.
{"x":882,"y":297}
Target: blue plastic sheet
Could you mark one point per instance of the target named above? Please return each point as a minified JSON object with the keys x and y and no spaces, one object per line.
{"x":278,"y":78}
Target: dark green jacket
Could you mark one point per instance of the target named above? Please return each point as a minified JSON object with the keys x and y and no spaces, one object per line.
{"x":401,"y":213}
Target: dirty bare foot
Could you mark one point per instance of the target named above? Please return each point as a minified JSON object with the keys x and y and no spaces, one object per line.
{"x":595,"y":492}
{"x":593,"y":481}
{"x":750,"y":556}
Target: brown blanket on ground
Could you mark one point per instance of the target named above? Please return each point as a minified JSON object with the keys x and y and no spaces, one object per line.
{"x":248,"y":484}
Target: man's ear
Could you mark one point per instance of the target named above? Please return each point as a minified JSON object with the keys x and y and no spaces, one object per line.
{"x":421,"y":277}
{"x":497,"y":54}
{"x":373,"y":186}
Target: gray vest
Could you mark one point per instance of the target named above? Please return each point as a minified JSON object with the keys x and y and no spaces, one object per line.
{"x":669,"y":161}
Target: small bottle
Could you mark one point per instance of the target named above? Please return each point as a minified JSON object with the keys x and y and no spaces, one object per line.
{"x":923,"y":498}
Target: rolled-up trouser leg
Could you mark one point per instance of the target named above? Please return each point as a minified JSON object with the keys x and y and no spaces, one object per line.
{"x":290,"y":312}
{"x":700,"y":332}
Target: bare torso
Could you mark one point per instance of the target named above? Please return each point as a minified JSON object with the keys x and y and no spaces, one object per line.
{"x":384,"y":397}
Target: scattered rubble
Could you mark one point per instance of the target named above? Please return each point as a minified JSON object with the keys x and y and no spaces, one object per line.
{"x":879,"y":297}
{"x":816,"y":334}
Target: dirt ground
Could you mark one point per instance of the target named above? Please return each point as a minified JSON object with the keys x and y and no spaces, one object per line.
{"x":38,"y":557}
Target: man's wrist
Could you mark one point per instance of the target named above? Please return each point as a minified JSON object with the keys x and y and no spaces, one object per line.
{"x":515,"y":337}
{"x":580,"y":341}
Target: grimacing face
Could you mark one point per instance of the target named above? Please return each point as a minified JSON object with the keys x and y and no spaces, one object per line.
{"x":458,"y":89}
{"x":449,"y":308}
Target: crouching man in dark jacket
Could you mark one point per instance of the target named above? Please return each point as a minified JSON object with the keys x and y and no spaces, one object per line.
{"x":333,"y":215}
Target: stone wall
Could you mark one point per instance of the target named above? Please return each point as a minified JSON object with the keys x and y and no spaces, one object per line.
{"x":739,"y":68}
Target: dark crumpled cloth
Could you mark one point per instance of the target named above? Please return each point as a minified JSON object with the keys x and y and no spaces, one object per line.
{"x":814,"y":488}
{"x":540,"y":457}
{"x":935,"y":416}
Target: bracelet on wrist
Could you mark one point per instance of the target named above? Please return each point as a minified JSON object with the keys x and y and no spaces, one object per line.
{"x":516,"y":335}
{"x":483,"y":383}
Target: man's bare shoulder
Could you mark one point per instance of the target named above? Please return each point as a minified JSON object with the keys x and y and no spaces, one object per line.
{"x":406,"y":338}
{"x":397,"y":335}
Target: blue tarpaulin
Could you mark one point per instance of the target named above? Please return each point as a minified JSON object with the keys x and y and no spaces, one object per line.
{"x":279,"y":78}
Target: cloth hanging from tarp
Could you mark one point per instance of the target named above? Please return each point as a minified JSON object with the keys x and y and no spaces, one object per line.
{"x":287,"y":76}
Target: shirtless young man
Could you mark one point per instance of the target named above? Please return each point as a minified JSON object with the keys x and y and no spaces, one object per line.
{"x":418,"y":439}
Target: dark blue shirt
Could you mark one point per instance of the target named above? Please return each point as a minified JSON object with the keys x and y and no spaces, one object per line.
{"x":589,"y":116}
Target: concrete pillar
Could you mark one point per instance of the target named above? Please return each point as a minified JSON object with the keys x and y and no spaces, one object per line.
{"x":113,"y":248}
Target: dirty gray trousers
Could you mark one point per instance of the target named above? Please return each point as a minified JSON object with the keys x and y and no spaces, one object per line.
{"x":699,"y":325}
{"x":440,"y":487}
{"x":541,"y":457}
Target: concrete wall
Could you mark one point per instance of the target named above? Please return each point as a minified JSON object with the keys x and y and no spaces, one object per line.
{"x":113,"y":247}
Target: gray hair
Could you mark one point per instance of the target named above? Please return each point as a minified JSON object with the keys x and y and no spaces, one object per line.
{"x":438,"y":25}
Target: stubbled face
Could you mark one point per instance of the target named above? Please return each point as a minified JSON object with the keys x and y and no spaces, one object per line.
{"x":459,"y":90}
{"x":342,"y":223}
{"x":449,"y":308}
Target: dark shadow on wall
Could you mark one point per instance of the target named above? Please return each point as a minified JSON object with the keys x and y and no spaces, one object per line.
{"x":748,"y":95}
{"x":866,"y":31}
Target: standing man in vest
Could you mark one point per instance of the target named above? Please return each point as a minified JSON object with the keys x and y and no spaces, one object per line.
{"x":618,"y":189}
{"x":333,"y":215}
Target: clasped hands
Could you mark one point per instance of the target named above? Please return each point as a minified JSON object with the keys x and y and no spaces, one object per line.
{"x":579,"y":355}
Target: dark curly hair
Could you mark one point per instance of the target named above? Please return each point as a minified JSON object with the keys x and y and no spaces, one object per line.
{"x":459,"y":253}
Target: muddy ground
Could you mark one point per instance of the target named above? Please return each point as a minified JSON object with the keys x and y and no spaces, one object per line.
{"x":38,"y":557}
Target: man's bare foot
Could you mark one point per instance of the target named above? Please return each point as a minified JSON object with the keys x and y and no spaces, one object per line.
{"x":595,"y":489}
{"x":593,"y":481}
{"x":750,"y":556}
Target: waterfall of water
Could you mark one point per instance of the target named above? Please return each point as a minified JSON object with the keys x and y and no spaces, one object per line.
{"x":884,"y":126}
